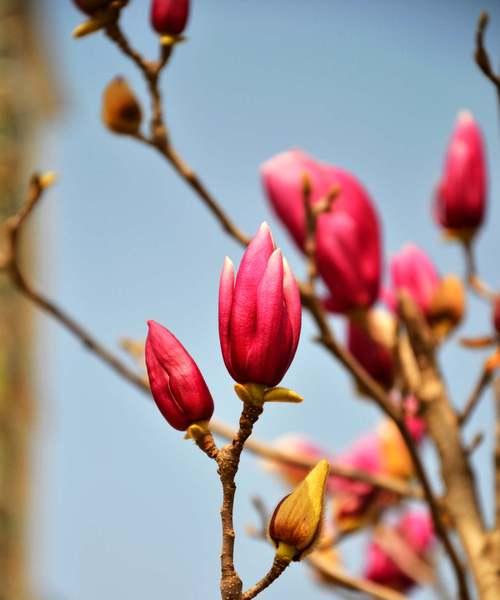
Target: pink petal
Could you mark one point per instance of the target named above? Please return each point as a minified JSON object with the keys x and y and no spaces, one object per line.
{"x":226,"y":292}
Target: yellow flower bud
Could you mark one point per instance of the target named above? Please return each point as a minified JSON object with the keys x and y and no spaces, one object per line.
{"x":396,"y":458}
{"x":121,"y":111}
{"x":296,"y":523}
{"x":447,"y":306}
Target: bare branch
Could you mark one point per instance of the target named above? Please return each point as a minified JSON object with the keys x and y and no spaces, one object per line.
{"x":496,"y":389}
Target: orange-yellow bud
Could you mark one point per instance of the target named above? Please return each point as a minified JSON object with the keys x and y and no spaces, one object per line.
{"x":295,"y":526}
{"x":396,"y":459}
{"x":447,"y":306}
{"x":121,"y":111}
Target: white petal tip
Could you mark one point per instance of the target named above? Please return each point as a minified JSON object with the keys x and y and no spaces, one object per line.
{"x":465,"y":116}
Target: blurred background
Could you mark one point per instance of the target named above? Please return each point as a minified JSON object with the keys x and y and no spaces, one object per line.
{"x":118,"y":505}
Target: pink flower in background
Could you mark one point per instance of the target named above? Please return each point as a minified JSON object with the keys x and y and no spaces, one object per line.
{"x":460,"y":199}
{"x":259,"y":314}
{"x":348,"y":238}
{"x":169,"y":17}
{"x":356,"y":502}
{"x":398,"y":563}
{"x":413,"y":421}
{"x":301,"y":447}
{"x":372,"y":344}
{"x":178,"y":387}
{"x":413,"y":272}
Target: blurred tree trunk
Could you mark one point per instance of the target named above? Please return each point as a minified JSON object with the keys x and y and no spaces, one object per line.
{"x":26,"y":99}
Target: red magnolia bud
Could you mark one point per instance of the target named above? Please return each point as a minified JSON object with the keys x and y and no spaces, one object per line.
{"x":413,"y":272}
{"x":348,"y":237}
{"x":89,"y":7}
{"x":259,"y":314}
{"x":460,"y":199}
{"x":496,"y":314}
{"x":169,"y":17}
{"x":178,"y":387}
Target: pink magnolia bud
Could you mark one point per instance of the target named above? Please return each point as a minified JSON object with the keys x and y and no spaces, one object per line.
{"x":178,"y":387}
{"x":372,"y":344}
{"x":169,"y":17}
{"x":355,"y":502}
{"x":298,"y":446}
{"x":460,"y":199}
{"x":412,"y":271}
{"x":259,"y":314}
{"x":415,"y":538}
{"x":348,"y":237}
{"x":89,"y":7}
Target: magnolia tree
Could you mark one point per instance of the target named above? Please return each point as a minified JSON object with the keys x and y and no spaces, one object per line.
{"x":393,"y":335}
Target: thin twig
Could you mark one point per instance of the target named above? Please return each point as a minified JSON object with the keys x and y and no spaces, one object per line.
{"x":481,"y":55}
{"x":336,"y":575}
{"x":482,"y":383}
{"x":496,"y":390}
{"x":472,"y":279}
{"x":278,"y":567}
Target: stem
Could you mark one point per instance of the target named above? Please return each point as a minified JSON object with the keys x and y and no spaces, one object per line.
{"x":228,"y":460}
{"x":278,"y":566}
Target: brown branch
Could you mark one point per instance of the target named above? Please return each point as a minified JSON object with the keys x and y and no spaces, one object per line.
{"x":461,"y":500}
{"x":481,"y":55}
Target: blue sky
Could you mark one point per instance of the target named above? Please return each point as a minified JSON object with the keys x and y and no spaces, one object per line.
{"x":123,"y":506}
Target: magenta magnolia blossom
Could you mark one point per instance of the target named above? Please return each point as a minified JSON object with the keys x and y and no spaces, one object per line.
{"x":412,"y":271}
{"x":178,"y":387}
{"x":416,"y":534}
{"x":169,"y":17}
{"x":259,"y":313}
{"x":348,"y":237}
{"x":460,"y":199}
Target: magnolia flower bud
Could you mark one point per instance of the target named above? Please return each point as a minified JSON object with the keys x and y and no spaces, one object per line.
{"x":460,"y":200}
{"x":413,"y":272}
{"x":447,"y":307}
{"x":178,"y":387}
{"x":169,"y":17}
{"x":348,"y":238}
{"x":89,"y":7}
{"x":121,"y":111}
{"x":412,"y":540}
{"x":296,"y":523}
{"x":259,"y":314}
